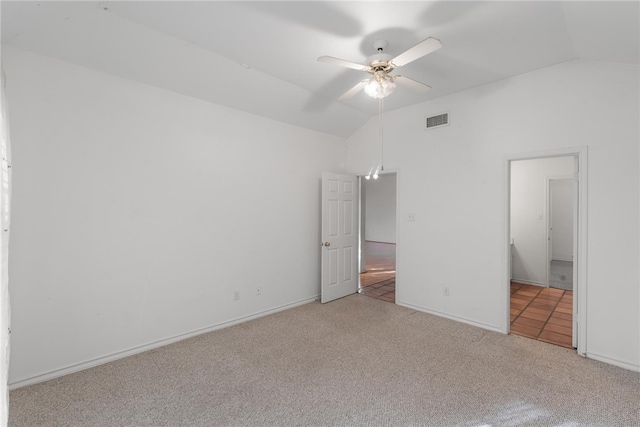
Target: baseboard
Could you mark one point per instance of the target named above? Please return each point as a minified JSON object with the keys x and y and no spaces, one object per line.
{"x":614,"y":362}
{"x":452,"y":317}
{"x":529,"y":282}
{"x":146,"y":347}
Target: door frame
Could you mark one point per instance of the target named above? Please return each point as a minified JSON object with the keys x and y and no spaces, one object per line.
{"x":361,"y":226}
{"x":580,"y":247}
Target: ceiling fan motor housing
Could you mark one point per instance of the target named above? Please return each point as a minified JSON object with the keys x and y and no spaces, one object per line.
{"x":380,"y":62}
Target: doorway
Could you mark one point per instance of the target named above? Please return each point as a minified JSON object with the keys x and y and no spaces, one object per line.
{"x":536,"y":308}
{"x":378,"y":237}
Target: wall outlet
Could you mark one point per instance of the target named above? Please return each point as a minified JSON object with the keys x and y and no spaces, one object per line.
{"x":445,"y":291}
{"x":411,"y":217}
{"x":259,"y":290}
{"x":236,"y":295}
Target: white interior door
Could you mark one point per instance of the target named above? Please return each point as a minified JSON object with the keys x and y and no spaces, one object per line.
{"x":339,"y":236}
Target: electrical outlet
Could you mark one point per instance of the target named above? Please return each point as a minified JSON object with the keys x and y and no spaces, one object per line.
{"x":236,"y":295}
{"x":445,"y":291}
{"x":411,"y":217}
{"x":259,"y":290}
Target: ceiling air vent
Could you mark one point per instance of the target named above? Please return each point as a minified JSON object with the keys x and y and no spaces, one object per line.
{"x":439,"y":120}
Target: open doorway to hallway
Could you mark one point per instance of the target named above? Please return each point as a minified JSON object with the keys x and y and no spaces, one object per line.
{"x":543,"y":213}
{"x":378,"y":237}
{"x":379,"y":278}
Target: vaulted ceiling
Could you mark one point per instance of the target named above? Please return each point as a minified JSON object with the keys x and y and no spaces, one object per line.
{"x":261,"y":57}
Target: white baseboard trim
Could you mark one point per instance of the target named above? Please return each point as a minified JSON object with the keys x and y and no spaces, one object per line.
{"x":614,"y":362}
{"x":452,"y":317}
{"x":146,"y":347}
{"x":529,"y":282}
{"x":563,"y":259}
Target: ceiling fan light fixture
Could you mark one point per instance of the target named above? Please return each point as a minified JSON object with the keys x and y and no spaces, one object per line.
{"x":368,"y":176}
{"x":380,"y":64}
{"x":375,"y":174}
{"x":379,"y":87}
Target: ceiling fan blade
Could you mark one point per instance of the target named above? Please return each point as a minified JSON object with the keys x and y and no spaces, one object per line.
{"x":412,"y":84}
{"x":421,"y":49}
{"x":343,"y":63}
{"x":357,"y":88}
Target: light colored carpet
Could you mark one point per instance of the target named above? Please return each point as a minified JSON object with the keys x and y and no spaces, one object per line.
{"x":561,"y":275}
{"x":353,"y":362}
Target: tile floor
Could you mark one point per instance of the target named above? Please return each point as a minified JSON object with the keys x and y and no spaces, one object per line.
{"x":544,"y":314}
{"x":379,"y":281}
{"x":385,"y":290}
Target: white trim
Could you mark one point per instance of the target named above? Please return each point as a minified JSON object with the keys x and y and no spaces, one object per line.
{"x":146,"y":347}
{"x":562,"y":259}
{"x":615,"y":362}
{"x":529,"y":282}
{"x":507,"y":249}
{"x":580,"y":282}
{"x":486,"y":326}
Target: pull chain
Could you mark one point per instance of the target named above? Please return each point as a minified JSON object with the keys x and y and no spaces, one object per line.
{"x":380,"y":112}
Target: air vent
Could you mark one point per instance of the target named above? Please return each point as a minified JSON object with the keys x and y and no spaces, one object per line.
{"x":439,"y":120}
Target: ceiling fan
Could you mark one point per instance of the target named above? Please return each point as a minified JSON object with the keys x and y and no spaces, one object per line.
{"x":379,"y":65}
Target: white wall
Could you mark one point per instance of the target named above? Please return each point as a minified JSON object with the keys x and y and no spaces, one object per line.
{"x":561,"y":205}
{"x":453,"y":179}
{"x":138,"y":212}
{"x":380,"y":209}
{"x":529,"y":215}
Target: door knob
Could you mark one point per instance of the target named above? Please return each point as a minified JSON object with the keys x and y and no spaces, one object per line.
{"x":327,"y":244}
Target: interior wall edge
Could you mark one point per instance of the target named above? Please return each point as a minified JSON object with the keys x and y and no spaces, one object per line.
{"x":77,"y":367}
{"x":486,"y":326}
{"x":528,"y":282}
{"x":613,"y":361}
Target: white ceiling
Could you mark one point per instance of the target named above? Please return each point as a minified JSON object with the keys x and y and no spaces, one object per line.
{"x":197,"y":48}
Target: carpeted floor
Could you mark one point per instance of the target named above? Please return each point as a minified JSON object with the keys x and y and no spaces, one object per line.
{"x":561,"y":275}
{"x":356,"y":361}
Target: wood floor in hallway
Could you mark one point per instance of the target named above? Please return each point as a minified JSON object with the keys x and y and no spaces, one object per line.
{"x":379,"y":280}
